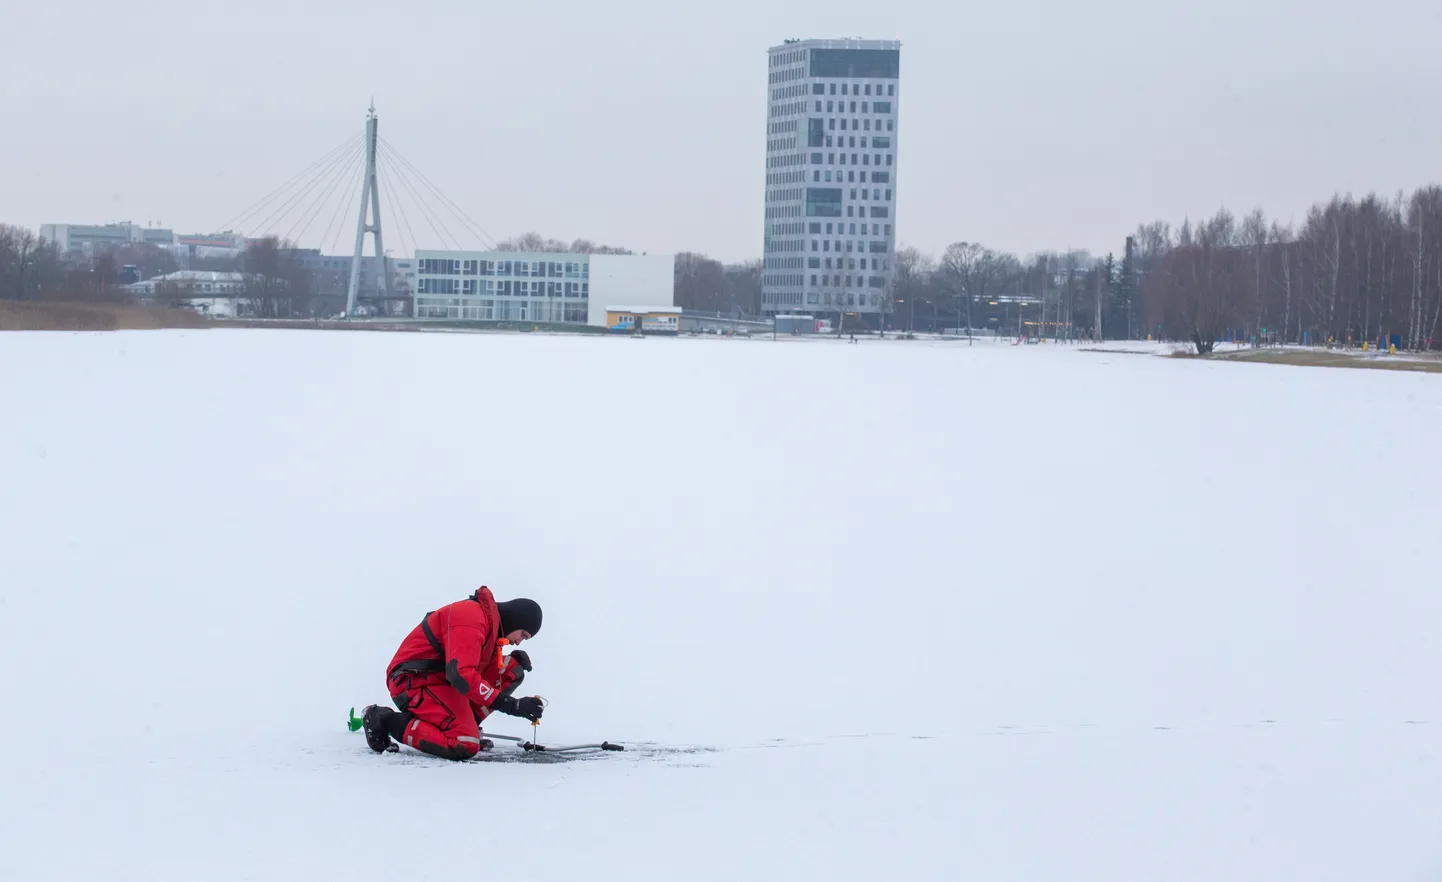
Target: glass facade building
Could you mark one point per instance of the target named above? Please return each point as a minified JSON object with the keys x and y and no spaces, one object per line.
{"x":502,"y":286}
{"x":831,"y":134}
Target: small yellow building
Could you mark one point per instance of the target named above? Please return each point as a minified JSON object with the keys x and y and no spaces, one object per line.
{"x":645,"y":319}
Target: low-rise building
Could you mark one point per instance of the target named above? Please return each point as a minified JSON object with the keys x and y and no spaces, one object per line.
{"x":93,"y":237}
{"x":538,"y":287}
{"x":644,"y":319}
{"x":213,"y":293}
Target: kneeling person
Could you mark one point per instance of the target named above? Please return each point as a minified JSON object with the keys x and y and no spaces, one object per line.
{"x":449,"y":675}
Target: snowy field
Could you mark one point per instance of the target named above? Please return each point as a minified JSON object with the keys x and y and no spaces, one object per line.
{"x":894,"y":611}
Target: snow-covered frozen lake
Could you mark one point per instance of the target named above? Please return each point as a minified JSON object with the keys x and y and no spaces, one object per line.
{"x":887,"y":611}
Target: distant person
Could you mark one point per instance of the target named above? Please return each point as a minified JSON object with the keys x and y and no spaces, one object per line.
{"x":449,"y":675}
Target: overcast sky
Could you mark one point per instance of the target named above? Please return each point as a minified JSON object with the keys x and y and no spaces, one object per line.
{"x":1023,"y":125}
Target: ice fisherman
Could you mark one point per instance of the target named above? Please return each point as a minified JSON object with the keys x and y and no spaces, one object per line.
{"x":450,"y":674}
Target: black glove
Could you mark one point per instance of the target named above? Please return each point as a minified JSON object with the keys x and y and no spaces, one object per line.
{"x":521,"y":659}
{"x":529,"y":708}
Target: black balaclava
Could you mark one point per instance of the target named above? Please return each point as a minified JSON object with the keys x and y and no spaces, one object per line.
{"x":521,"y":614}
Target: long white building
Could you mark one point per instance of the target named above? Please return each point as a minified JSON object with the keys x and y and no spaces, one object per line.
{"x":95,"y":237}
{"x":528,"y":286}
{"x":831,"y":170}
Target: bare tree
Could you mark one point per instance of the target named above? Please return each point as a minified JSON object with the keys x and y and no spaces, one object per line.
{"x":962,"y":265}
{"x":700,"y":283}
{"x":535,"y":242}
{"x":908,"y":269}
{"x":1196,"y":289}
{"x":1254,"y":235}
{"x":277,"y":284}
{"x":23,"y":256}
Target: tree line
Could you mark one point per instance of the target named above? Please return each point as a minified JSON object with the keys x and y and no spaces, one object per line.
{"x":1352,"y":271}
{"x":36,"y":270}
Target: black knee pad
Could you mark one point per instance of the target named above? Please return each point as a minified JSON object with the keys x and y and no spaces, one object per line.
{"x":456,"y":753}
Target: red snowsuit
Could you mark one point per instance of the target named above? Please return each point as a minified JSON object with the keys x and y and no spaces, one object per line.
{"x":448,"y":673}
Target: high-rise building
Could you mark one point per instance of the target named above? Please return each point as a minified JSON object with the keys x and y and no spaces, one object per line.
{"x":831,"y":176}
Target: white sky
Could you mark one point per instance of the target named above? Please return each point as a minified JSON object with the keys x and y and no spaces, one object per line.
{"x":1023,"y":125}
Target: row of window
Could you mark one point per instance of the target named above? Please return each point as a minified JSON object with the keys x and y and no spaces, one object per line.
{"x":848,"y":281}
{"x":777,"y":245}
{"x":875,"y":263}
{"x":783,"y":263}
{"x":856,"y":89}
{"x":782,"y":281}
{"x":503,"y":288}
{"x":866,"y":107}
{"x":524,"y":268}
{"x":856,"y":125}
{"x":791,"y":177}
{"x":877,"y":246}
{"x":788,"y":92}
{"x":501,"y":310}
{"x":815,"y":227}
{"x":815,"y":299}
{"x":791,"y":108}
{"x":878,"y":142}
{"x":833,"y":158}
{"x":785,"y":160}
{"x":781,"y":59}
{"x":826,"y":201}
{"x":827,"y":176}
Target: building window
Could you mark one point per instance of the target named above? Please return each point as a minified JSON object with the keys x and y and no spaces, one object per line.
{"x":818,"y":88}
{"x":890,"y":91}
{"x":831,"y":123}
{"x":843,"y":88}
{"x":853,"y":107}
{"x":833,"y":88}
{"x":882,"y":106}
{"x":888,"y":195}
{"x":813,"y":278}
{"x":888,"y":159}
{"x":831,"y":107}
{"x":889,"y":124}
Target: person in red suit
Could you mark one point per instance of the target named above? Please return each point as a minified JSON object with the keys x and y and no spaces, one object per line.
{"x":449,"y":674}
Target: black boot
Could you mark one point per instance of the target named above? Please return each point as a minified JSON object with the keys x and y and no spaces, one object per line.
{"x":377,"y":723}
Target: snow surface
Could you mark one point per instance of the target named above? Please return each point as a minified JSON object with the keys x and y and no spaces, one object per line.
{"x":894,"y":610}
